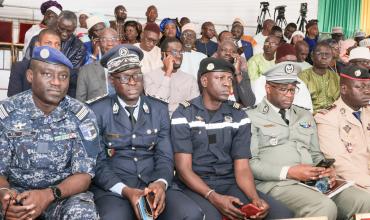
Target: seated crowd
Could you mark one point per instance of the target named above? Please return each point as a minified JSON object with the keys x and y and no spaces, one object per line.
{"x":104,"y":114}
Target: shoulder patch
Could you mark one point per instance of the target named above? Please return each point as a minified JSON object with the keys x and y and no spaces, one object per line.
{"x":185,"y":103}
{"x":3,"y":112}
{"x":90,"y":101}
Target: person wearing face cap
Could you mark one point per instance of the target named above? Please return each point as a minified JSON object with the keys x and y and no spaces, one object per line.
{"x":344,"y":130}
{"x":137,"y":156}
{"x":211,"y":141}
{"x":50,"y":10}
{"x":191,"y":58}
{"x":49,"y":146}
{"x":288,"y":132}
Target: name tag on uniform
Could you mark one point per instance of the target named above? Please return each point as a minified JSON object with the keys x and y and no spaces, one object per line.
{"x":42,"y":147}
{"x":14,"y":134}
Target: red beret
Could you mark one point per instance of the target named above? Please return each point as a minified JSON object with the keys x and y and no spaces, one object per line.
{"x":285,"y":49}
{"x":152,"y":27}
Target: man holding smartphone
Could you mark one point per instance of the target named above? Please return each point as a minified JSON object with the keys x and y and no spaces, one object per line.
{"x":211,"y":138}
{"x":285,"y":150}
{"x":137,"y":160}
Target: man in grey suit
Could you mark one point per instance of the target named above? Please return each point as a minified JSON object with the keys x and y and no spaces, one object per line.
{"x":285,"y":150}
{"x":92,"y":80}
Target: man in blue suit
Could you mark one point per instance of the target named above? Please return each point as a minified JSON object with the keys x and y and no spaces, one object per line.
{"x":137,"y":159}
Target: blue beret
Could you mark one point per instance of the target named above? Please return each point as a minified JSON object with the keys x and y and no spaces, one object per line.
{"x":50,"y":55}
{"x":122,"y":57}
{"x":211,"y":64}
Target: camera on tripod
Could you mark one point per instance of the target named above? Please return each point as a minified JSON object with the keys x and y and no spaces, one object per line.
{"x":264,"y":5}
{"x":280,"y":19}
{"x":303,"y":9}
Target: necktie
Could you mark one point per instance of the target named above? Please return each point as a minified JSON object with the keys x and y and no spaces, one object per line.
{"x":282,"y":113}
{"x":131,"y":116}
{"x":357,"y":115}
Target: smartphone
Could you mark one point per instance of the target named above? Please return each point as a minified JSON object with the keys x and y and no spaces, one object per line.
{"x":326,"y":163}
{"x":248,"y":209}
{"x":145,"y":209}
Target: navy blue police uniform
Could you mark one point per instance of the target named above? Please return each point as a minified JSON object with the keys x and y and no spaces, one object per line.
{"x":135,"y":155}
{"x":215,"y":139}
{"x":39,"y":151}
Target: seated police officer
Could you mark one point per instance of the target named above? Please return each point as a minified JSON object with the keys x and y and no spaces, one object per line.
{"x":285,"y":150}
{"x":211,"y":139}
{"x":138,"y":158}
{"x":48,"y":146}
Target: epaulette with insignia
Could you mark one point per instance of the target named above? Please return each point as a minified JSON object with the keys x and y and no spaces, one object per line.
{"x":81,"y":114}
{"x":326,"y":110}
{"x":158,"y":99}
{"x":90,"y":101}
{"x":185,"y":103}
{"x":236,"y":105}
{"x":3,"y":112}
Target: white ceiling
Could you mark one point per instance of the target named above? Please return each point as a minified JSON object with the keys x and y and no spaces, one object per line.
{"x":220,"y":12}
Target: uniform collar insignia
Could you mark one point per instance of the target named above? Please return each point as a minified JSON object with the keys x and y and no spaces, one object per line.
{"x":146,"y":108}
{"x":115,"y":108}
{"x":342,"y":111}
{"x":265,"y":109}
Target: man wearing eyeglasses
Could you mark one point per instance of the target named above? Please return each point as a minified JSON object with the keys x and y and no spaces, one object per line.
{"x":285,"y":151}
{"x":92,"y":81}
{"x":137,"y":159}
{"x":344,"y":131}
{"x":169,"y":83}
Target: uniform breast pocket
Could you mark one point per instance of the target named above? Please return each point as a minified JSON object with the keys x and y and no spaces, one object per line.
{"x":270,"y":136}
{"x":304,"y":135}
{"x":150,"y":141}
{"x":23,"y":149}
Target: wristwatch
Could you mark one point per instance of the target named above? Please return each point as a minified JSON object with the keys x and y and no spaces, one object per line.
{"x":56,"y":193}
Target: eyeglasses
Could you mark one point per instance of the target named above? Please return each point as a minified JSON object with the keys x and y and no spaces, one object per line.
{"x":284,"y":91}
{"x":176,"y":53}
{"x":125,"y":79}
{"x":106,"y":40}
{"x":271,"y":44}
{"x":150,"y":40}
{"x":363,"y":87}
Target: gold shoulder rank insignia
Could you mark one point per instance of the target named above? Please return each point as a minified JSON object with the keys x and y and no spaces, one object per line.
{"x":236,"y":105}
{"x":185,"y":103}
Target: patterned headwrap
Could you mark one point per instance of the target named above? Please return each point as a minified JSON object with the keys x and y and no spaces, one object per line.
{"x":166,"y":21}
{"x":48,"y":4}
